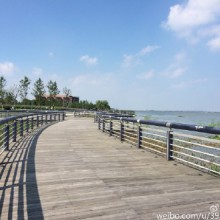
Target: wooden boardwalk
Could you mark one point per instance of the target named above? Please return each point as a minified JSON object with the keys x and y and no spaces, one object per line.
{"x":73,"y":171}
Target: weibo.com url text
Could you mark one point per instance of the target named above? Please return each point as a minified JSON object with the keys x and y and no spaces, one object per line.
{"x":213,"y":214}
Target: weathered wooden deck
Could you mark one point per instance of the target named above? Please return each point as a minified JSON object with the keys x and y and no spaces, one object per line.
{"x":73,"y":171}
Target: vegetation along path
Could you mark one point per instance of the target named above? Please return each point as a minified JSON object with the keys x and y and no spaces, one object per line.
{"x":73,"y":171}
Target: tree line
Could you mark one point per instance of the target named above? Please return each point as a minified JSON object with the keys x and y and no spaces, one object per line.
{"x":18,"y":95}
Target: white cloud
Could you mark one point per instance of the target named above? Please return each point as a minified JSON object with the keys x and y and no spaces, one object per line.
{"x":174,"y":72}
{"x":209,"y":31}
{"x":128,"y":60}
{"x":146,"y":76}
{"x":89,"y":60}
{"x":7,"y":68}
{"x":213,"y":35}
{"x":148,"y":49}
{"x":194,"y":13}
{"x":214,"y":44}
{"x":135,"y":59}
{"x":191,"y":19}
{"x":177,"y":68}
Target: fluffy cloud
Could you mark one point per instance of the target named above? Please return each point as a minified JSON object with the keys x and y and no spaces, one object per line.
{"x":147,"y":49}
{"x":180,"y":57}
{"x":194,"y":14}
{"x":177,"y":68}
{"x":7,"y":68}
{"x":128,"y":60}
{"x":191,"y":19}
{"x":174,"y":72}
{"x":134,"y":59}
{"x":214,"y":44}
{"x":89,"y":60}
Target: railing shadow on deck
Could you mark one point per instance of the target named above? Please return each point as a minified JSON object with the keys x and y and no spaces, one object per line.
{"x":19,"y":190}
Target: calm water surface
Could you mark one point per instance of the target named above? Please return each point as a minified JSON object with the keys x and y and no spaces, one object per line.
{"x":187,"y":117}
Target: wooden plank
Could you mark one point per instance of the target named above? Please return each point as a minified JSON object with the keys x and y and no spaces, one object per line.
{"x":74,"y":171}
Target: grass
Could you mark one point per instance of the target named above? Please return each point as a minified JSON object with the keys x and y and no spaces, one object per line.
{"x":215,"y":125}
{"x":146,"y":117}
{"x":217,"y":137}
{"x":214,"y":168}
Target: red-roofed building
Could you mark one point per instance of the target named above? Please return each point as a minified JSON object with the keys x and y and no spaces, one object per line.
{"x":63,"y":98}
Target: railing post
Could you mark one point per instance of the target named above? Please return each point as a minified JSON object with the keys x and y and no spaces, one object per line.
{"x":37,"y":121}
{"x":27,"y":124}
{"x":99,"y":123}
{"x":42,"y":120}
{"x":169,"y":145}
{"x":6,"y":137}
{"x":50,"y":118}
{"x":64,"y":116}
{"x":121,"y":130}
{"x":139,"y":135}
{"x":21,"y":127}
{"x":110,"y":127}
{"x":15,"y":131}
{"x":59,"y":117}
{"x":103,"y":125}
{"x":32,"y":123}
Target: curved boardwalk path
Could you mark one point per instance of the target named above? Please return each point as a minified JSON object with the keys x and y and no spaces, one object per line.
{"x":73,"y":171}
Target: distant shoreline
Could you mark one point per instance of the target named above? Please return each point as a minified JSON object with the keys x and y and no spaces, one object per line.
{"x":176,"y":111}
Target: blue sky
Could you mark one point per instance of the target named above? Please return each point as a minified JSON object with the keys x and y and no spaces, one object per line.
{"x":137,"y":54}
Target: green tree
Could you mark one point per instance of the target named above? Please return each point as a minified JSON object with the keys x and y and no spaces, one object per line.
{"x":11,"y":95}
{"x":24,"y":87}
{"x":53,"y":91}
{"x":53,"y":88}
{"x":83,"y":104}
{"x":102,"y":105}
{"x":38,"y":91}
{"x":2,"y":88}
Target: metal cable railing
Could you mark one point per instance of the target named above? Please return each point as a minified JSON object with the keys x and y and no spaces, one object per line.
{"x":175,"y":141}
{"x":14,"y":127}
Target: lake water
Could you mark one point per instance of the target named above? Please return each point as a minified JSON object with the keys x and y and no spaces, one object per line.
{"x":186,"y":117}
